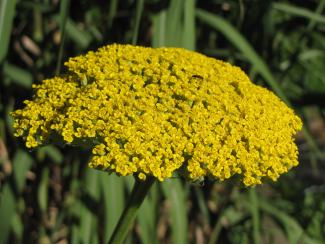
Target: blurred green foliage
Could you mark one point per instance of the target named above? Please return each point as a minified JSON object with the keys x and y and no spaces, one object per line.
{"x":49,"y":196}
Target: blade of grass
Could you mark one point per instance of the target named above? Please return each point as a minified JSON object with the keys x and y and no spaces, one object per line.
{"x":175,"y":193}
{"x":21,"y":164}
{"x":38,"y":19}
{"x":11,"y":190}
{"x":64,"y":12}
{"x":294,"y":231}
{"x":159,"y":29}
{"x":112,"y":12}
{"x":319,"y":11}
{"x":254,"y":208}
{"x":72,"y":201}
{"x":174,"y":23}
{"x":43,"y":6}
{"x":74,"y":235}
{"x":17,"y":227}
{"x":199,"y":196}
{"x":94,"y":239}
{"x":298,"y":11}
{"x":230,"y":216}
{"x":88,"y":205}
{"x":42,"y":193}
{"x":52,"y":152}
{"x":80,"y":37}
{"x":7,"y":13}
{"x":147,"y":217}
{"x":7,"y":211}
{"x":189,"y":25}
{"x":112,"y":190}
{"x":138,"y":14}
{"x":214,"y":236}
{"x":18,"y":75}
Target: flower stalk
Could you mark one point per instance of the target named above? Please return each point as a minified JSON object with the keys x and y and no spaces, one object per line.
{"x":138,"y":194}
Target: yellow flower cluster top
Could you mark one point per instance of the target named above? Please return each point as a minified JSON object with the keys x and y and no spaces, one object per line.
{"x":151,"y":112}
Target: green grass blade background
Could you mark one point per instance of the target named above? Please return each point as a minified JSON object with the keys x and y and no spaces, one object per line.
{"x":112,"y":190}
{"x":11,"y":191}
{"x":189,"y":25}
{"x":57,"y":199}
{"x":138,"y":14}
{"x":7,"y":13}
{"x":297,"y":11}
{"x":174,"y":191}
{"x":64,"y":12}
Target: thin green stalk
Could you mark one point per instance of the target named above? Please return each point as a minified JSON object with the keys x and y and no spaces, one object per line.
{"x":299,"y":11}
{"x":319,"y":10}
{"x":138,"y":13}
{"x":112,"y":12}
{"x":216,"y":232}
{"x":64,"y":10}
{"x":38,"y":19}
{"x":139,"y":192}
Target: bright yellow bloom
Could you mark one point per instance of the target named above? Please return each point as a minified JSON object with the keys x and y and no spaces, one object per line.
{"x":152,"y":112}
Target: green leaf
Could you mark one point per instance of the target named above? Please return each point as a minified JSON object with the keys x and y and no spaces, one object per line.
{"x":112,"y":12}
{"x":174,"y":23}
{"x":7,"y":13}
{"x":318,"y":10}
{"x":43,"y":189}
{"x":112,"y":191}
{"x":230,"y":216}
{"x":17,"y":227}
{"x":202,"y":203}
{"x":294,"y":231}
{"x":52,"y":152}
{"x":147,"y":217}
{"x":175,"y":193}
{"x":254,"y":208}
{"x":138,"y":14}
{"x":64,"y":12}
{"x":22,"y":161}
{"x":189,"y":25}
{"x":159,"y":29}
{"x":7,"y":211}
{"x":298,"y":11}
{"x":10,"y":192}
{"x":87,"y":216}
{"x":81,"y":38}
{"x":18,"y":75}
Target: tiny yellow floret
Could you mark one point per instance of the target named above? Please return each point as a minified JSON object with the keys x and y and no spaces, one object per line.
{"x":156,"y":111}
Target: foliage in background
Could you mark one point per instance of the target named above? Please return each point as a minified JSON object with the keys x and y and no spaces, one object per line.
{"x":48,"y":195}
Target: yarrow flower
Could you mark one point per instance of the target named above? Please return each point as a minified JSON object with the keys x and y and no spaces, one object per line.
{"x":156,"y":111}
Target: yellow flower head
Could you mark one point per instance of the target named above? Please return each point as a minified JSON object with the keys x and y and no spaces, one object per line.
{"x":152,"y":112}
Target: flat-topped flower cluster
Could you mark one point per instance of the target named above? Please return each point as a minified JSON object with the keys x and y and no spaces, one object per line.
{"x":151,"y":112}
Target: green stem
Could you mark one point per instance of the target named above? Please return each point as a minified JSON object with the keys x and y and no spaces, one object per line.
{"x":139,"y":192}
{"x":64,"y":12}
